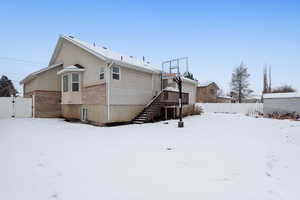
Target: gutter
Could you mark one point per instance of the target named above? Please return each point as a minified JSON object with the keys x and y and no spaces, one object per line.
{"x":108,"y":75}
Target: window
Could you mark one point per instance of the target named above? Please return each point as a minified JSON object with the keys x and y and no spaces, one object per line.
{"x":102,"y":72}
{"x":83,"y":114}
{"x":75,"y":82}
{"x":65,"y":83}
{"x":116,"y":73}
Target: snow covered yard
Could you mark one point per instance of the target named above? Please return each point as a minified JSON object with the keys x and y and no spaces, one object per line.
{"x":216,"y":156}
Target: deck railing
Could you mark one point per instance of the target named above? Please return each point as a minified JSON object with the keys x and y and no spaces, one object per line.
{"x":171,"y":97}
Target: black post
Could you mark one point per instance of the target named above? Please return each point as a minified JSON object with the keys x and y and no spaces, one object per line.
{"x":180,"y":123}
{"x":178,"y":80}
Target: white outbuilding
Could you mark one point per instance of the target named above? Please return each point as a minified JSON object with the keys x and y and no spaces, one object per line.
{"x":282,"y":103}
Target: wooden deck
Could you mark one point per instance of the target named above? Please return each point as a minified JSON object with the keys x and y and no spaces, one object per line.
{"x":164,"y":100}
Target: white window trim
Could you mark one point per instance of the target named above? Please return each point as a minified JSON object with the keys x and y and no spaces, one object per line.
{"x":75,"y":81}
{"x":102,"y":72}
{"x":112,"y":73}
{"x":62,"y":82}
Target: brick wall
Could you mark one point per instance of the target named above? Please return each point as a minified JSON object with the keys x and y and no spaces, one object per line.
{"x":207,"y":94}
{"x":95,"y":94}
{"x":46,"y":103}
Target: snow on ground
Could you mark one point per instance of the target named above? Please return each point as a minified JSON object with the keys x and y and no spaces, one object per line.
{"x":216,"y":156}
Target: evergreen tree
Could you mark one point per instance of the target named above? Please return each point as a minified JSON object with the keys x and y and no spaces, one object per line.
{"x":7,"y":87}
{"x":265,"y":81}
{"x":189,"y":75}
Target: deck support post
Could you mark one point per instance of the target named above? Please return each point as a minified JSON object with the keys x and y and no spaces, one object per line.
{"x":166,"y":113}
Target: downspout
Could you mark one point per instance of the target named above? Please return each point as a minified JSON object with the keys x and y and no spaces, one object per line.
{"x":152,"y":84}
{"x":108,"y":90}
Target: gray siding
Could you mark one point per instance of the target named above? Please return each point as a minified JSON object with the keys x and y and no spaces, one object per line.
{"x":282,"y":105}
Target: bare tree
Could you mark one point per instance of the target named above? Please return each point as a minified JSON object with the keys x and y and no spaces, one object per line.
{"x":284,"y":89}
{"x":240,"y":83}
{"x":220,"y":92}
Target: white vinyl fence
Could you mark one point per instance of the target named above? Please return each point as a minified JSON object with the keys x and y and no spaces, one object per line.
{"x":251,"y":109}
{"x":18,"y":107}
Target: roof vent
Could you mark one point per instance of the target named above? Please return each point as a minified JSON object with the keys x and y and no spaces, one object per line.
{"x":70,"y":36}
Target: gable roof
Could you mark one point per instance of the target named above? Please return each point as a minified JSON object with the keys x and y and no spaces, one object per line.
{"x":34,"y":74}
{"x":106,"y":55}
{"x":281,"y":95}
{"x":72,"y":68}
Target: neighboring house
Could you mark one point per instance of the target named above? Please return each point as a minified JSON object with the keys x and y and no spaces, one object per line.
{"x":207,"y":92}
{"x":101,"y":86}
{"x":282,"y":103}
{"x":224,"y":99}
{"x":252,"y":99}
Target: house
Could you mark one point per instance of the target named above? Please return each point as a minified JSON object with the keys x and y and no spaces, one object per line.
{"x":253,"y":99}
{"x":44,"y":86}
{"x":207,"y":92}
{"x":92,"y":83}
{"x":282,"y":103}
{"x":224,"y":99}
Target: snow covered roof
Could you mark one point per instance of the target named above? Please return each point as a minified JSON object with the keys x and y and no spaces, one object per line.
{"x":206,"y":83}
{"x":183,"y":79}
{"x":189,"y":80}
{"x":171,"y":89}
{"x":254,"y":97}
{"x":34,"y":74}
{"x":108,"y":55}
{"x":225,"y":97}
{"x":281,"y":95}
{"x":71,"y":68}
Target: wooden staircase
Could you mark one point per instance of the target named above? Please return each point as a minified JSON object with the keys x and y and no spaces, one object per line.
{"x":151,"y":111}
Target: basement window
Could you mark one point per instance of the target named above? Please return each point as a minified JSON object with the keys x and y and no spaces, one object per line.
{"x":102,"y":72}
{"x":65,"y":83}
{"x":75,"y":82}
{"x":116,"y":73}
{"x":83,"y":114}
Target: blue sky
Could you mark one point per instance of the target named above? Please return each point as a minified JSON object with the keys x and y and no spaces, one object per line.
{"x":215,"y":35}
